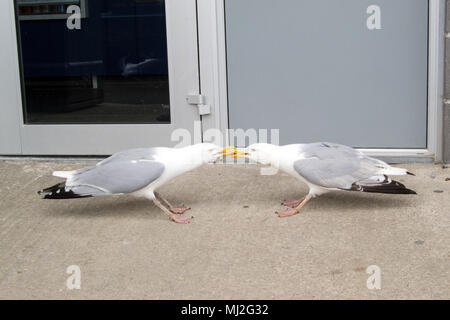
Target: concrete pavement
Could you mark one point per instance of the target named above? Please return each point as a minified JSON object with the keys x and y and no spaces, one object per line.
{"x":235,"y":247}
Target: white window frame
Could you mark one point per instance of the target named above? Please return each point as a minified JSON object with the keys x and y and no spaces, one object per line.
{"x":213,"y":77}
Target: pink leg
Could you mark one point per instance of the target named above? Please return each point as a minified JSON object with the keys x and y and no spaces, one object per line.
{"x":177,"y":210}
{"x":182,"y":220}
{"x":172,"y":217}
{"x":292,"y":203}
{"x":291,"y":212}
{"x":286,"y":213}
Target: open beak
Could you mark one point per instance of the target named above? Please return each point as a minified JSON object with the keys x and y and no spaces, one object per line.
{"x":240,"y":153}
{"x":227,"y":151}
{"x":234,"y":152}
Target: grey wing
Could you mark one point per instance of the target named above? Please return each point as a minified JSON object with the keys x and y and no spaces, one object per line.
{"x":328,"y":150}
{"x":336,"y":166}
{"x":131,"y":154}
{"x":115,"y":176}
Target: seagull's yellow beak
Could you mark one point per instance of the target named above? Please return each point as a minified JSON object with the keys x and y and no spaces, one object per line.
{"x":233,"y":152}
{"x":228,"y":151}
{"x":240,"y":153}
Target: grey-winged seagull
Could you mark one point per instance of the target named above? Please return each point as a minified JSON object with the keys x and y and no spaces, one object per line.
{"x":136,"y":171}
{"x":326,"y":167}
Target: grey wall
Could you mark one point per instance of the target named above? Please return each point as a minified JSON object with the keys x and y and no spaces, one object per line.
{"x":315,"y":71}
{"x":447,"y":90}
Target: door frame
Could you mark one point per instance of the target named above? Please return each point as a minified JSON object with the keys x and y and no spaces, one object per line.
{"x":213,"y":75}
{"x":18,"y":138}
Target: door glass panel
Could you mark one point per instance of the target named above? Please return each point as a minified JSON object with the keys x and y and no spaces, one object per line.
{"x":107,"y":66}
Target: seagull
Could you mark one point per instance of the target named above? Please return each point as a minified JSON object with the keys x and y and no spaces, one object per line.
{"x":326,"y":167}
{"x":138,"y":172}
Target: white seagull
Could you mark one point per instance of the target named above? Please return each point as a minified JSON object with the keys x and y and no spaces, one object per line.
{"x":136,"y":171}
{"x":325,"y":167}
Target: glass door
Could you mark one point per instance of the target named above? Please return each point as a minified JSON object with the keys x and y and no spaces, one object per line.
{"x":101,"y":76}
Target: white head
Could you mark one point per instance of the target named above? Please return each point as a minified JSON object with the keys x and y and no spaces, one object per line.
{"x":263,"y":153}
{"x":205,"y":152}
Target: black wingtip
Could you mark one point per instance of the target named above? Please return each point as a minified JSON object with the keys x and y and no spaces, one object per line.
{"x":58,"y":191}
{"x":387,"y":186}
{"x":411,"y":174}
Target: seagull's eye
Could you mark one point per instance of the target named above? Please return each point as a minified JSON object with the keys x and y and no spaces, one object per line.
{"x":253,"y":150}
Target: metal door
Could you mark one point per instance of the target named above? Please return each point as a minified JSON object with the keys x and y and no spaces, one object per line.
{"x":94,"y":77}
{"x":350,"y":71}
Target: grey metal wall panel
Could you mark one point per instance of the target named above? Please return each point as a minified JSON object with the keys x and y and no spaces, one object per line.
{"x":446,"y":124}
{"x":314,"y":70}
{"x":446,"y":140}
{"x":10,"y":118}
{"x":447,"y":68}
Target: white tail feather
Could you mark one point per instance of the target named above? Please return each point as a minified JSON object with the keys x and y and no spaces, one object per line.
{"x":63,"y":174}
{"x":395,"y":171}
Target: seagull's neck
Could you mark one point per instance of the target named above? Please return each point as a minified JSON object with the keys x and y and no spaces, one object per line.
{"x":190,"y":157}
{"x":282,"y":156}
{"x":272,"y":155}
